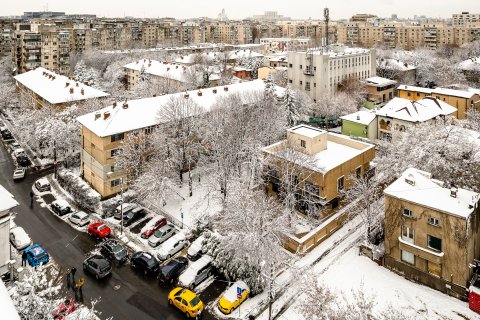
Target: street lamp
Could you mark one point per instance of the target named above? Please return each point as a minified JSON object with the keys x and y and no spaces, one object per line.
{"x":109,"y":175}
{"x":271,"y":280}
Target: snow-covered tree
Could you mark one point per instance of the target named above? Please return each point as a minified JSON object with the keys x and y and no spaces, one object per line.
{"x":291,"y":108}
{"x":335,"y":105}
{"x":252,"y":63}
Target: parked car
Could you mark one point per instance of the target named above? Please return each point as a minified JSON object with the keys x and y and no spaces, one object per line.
{"x":133,"y":216}
{"x":36,"y":255}
{"x":67,"y":307}
{"x":79,"y":218}
{"x":113,"y":250}
{"x":18,"y":173}
{"x":230,"y":299}
{"x":19,"y":152}
{"x":186,"y":301}
{"x":153,"y":225}
{"x":14,"y":145}
{"x":145,"y":262}
{"x":197,"y":272}
{"x":172,"y":246}
{"x":19,"y":238}
{"x":42,"y":185}
{"x":161,"y":235}
{"x":98,"y":266}
{"x":23,"y":160}
{"x":117,"y":214}
{"x":6,"y":134}
{"x":195,"y":250}
{"x":170,"y":272}
{"x":99,"y":230}
{"x":61,"y":207}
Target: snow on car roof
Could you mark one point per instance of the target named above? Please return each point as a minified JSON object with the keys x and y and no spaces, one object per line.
{"x":20,"y":234}
{"x":189,"y":274}
{"x":61,"y":203}
{"x":415,"y":111}
{"x":196,"y":245}
{"x":43,"y":181}
{"x":168,"y":245}
{"x":143,"y":113}
{"x":151,"y":223}
{"x":231,"y":293}
{"x":53,"y":87}
{"x":418,"y":187}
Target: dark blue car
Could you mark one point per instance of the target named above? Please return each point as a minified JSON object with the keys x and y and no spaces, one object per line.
{"x":36,"y":255}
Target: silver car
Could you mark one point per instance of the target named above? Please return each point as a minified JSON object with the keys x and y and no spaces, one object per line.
{"x":79,"y":218}
{"x":161,"y":235}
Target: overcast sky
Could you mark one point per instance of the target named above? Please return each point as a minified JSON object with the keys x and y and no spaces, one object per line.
{"x":243,"y":8}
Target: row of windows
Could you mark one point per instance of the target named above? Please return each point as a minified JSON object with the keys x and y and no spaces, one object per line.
{"x":408,"y":235}
{"x":431,"y":220}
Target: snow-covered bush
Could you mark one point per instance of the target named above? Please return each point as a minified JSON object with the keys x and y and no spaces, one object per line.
{"x":84,"y":196}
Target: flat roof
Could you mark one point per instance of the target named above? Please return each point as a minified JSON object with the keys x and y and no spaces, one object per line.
{"x":53,"y":87}
{"x":361,"y":117}
{"x":307,"y":131}
{"x":379,"y":81}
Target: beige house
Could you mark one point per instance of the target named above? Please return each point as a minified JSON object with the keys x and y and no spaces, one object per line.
{"x":431,"y":231}
{"x":41,"y":88}
{"x":399,"y":114}
{"x":380,"y":89}
{"x":326,"y":161}
{"x":103,"y":131}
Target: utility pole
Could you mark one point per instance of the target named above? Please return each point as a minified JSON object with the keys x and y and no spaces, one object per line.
{"x":121,"y":207}
{"x":55,"y":159}
{"x":326,"y":14}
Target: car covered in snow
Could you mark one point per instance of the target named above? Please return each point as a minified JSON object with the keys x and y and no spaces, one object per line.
{"x":197,"y":272}
{"x":42,"y":185}
{"x":117,"y":213}
{"x":195,"y":250}
{"x":99,"y":230}
{"x":79,"y":218}
{"x":36,"y":255}
{"x":19,"y":152}
{"x":18,"y":173}
{"x":14,"y":145}
{"x":61,"y":207}
{"x":19,"y":238}
{"x":114,"y":251}
{"x":162,"y":235}
{"x":172,"y":246}
{"x":153,"y":225}
{"x":233,"y":297}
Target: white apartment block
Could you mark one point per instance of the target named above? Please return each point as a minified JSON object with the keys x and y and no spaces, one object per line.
{"x":319,"y":71}
{"x":273,"y":45}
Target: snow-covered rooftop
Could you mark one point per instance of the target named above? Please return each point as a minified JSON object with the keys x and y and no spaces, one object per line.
{"x":335,"y":154}
{"x":6,"y":304}
{"x":414,"y":89}
{"x":418,"y":187}
{"x":190,"y":58}
{"x":361,"y":117}
{"x":415,"y":111}
{"x":472,"y":64}
{"x":394,"y":64}
{"x":379,"y":81}
{"x":278,"y":59}
{"x":160,"y":69}
{"x":6,"y":200}
{"x":336,"y":51}
{"x":239,"y":54}
{"x":143,"y":113}
{"x":56,"y":88}
{"x":454,"y":93}
{"x":307,"y":131}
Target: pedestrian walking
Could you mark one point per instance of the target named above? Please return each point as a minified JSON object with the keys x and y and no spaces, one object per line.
{"x":80,"y":284}
{"x":24,"y":259}
{"x":31,"y":199}
{"x":75,"y":290}
{"x":68,"y":278}
{"x":73,"y":275}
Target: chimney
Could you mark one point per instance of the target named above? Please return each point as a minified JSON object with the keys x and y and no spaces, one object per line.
{"x":453,"y":192}
{"x":125,"y":105}
{"x":199,"y":93}
{"x":82,"y":92}
{"x":168,"y":69}
{"x":85,"y":83}
{"x":97,"y":115}
{"x":410,"y":179}
{"x":53,"y":78}
{"x":358,"y":117}
{"x":214,"y":90}
{"x":114,"y":104}
{"x":106,"y":114}
{"x":76,"y":84}
{"x":186,"y":95}
{"x":67,"y":84}
{"x":176,"y":67}
{"x":225,"y":88}
{"x":71,"y":90}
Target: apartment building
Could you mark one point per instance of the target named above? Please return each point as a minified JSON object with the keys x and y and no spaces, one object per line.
{"x":320,"y":71}
{"x":103,"y":131}
{"x":323,"y":162}
{"x":273,"y":45}
{"x":431,"y":231}
{"x":41,"y":88}
{"x":460,"y":99}
{"x":465,"y":18}
{"x":400,"y":114}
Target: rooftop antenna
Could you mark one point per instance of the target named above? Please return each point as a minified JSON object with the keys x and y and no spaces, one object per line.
{"x":326,"y":14}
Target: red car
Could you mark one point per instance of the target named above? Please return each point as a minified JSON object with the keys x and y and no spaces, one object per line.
{"x":99,"y":230}
{"x":67,"y":307}
{"x":157,"y":225}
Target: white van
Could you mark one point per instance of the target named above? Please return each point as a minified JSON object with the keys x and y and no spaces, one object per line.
{"x":196,"y":272}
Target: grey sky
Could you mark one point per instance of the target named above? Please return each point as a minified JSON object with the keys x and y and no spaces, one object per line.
{"x":244,"y":8}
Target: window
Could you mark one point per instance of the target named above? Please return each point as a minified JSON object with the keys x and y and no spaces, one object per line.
{"x":115,"y":183}
{"x":303,"y":143}
{"x":433,"y":221}
{"x":149,"y":130}
{"x":301,"y":82}
{"x":290,"y":80}
{"x":408,"y":257}
{"x":340,"y":183}
{"x":116,"y":137}
{"x":358,"y":172}
{"x":290,"y":65}
{"x":115,"y":152}
{"x":408,"y":234}
{"x":407,"y":213}
{"x":434,"y":243}
{"x":301,"y":67}
{"x":408,"y":94}
{"x":307,"y":86}
{"x":434,"y":269}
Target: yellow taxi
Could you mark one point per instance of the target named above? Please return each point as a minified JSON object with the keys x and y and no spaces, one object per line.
{"x":187,"y":301}
{"x":233,"y":297}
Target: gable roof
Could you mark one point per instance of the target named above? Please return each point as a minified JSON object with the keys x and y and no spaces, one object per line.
{"x":53,"y":87}
{"x":415,"y":111}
